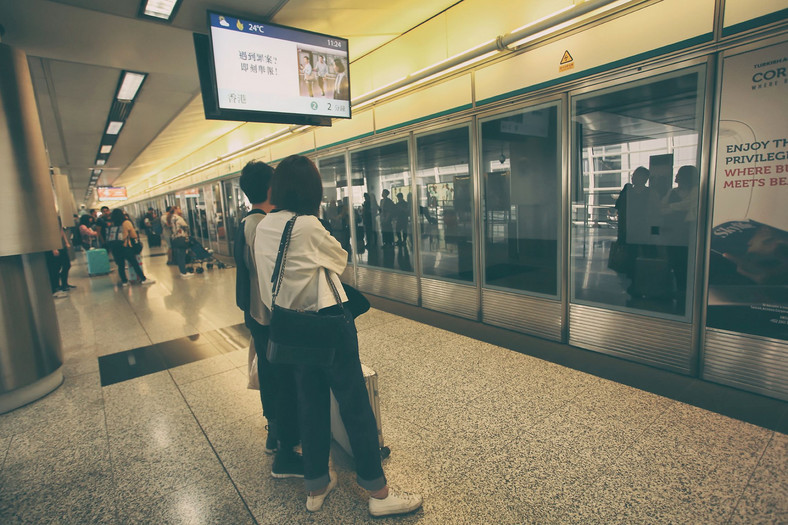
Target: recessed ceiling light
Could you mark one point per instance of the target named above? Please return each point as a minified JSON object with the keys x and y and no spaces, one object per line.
{"x":129,"y":85}
{"x":114,"y":127}
{"x":161,"y":9}
{"x":100,"y":162}
{"x":105,"y":148}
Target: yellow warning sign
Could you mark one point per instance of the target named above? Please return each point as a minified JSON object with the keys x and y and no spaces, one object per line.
{"x":567,"y":62}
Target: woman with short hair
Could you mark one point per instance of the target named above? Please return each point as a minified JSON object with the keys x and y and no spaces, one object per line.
{"x":297,"y":190}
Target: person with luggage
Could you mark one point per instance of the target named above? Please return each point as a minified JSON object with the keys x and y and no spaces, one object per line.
{"x":180,"y":239}
{"x":277,"y":383}
{"x":124,"y":243}
{"x":296,"y":189}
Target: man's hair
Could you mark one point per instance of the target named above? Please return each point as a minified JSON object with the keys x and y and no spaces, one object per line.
{"x":297,"y":186}
{"x":104,"y":208}
{"x":255,"y":179}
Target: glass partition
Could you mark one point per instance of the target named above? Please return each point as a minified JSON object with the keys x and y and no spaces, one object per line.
{"x":236,"y":206}
{"x":635,"y":194}
{"x":445,"y":204}
{"x":335,"y":209}
{"x":521,"y":166}
{"x":380,"y":176}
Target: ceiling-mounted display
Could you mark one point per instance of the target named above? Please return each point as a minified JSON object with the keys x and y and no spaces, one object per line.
{"x":268,"y":73}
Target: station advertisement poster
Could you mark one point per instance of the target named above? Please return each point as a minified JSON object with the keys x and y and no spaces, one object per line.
{"x":748,"y":264}
{"x":108,"y":193}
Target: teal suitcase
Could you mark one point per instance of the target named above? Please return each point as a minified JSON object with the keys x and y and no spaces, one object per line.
{"x":98,"y":261}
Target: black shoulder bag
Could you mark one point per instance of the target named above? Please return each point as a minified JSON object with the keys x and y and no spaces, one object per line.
{"x":299,"y":337}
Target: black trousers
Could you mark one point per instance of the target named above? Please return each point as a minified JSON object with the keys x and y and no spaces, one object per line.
{"x":346,"y":380}
{"x":58,"y":266}
{"x":121,"y":255}
{"x":277,"y":388}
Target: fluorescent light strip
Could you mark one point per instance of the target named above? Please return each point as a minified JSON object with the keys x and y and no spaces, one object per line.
{"x":159,"y":8}
{"x":129,"y":86}
{"x":105,"y":148}
{"x":114,"y":127}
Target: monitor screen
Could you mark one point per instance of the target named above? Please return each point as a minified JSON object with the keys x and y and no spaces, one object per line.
{"x":259,"y":67}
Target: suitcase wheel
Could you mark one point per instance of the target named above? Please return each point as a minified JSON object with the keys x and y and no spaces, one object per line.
{"x":199,"y":269}
{"x":385,"y":452}
{"x":209,"y":265}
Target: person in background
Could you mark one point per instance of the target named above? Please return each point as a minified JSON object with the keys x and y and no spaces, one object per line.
{"x":388,"y":212}
{"x":341,"y":84}
{"x":277,"y":383}
{"x":122,"y":247}
{"x":297,"y":189}
{"x":86,"y":233}
{"x":102,"y":225}
{"x":179,"y":240}
{"x":309,"y":75}
{"x":58,"y":264}
{"x":322,"y":70}
{"x":166,"y":234}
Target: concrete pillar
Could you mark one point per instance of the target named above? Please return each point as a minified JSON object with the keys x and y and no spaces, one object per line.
{"x":31,"y":354}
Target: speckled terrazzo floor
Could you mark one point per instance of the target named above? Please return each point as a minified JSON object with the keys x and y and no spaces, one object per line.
{"x":487,"y":435}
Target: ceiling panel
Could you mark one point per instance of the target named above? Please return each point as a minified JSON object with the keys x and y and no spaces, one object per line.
{"x":78,"y":48}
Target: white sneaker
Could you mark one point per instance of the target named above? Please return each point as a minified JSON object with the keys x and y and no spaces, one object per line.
{"x":395,"y":503}
{"x":59,"y":294}
{"x":315,"y":503}
{"x":124,"y":285}
{"x":187,"y":275}
{"x":147,"y":282}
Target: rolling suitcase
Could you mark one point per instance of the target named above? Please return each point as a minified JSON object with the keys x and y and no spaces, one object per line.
{"x":154,"y":239}
{"x":338,"y":431}
{"x":98,"y":261}
{"x":133,"y":277}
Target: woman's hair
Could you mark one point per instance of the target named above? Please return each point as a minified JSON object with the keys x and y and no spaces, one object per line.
{"x":85,"y":220}
{"x":296,"y":186}
{"x":117,"y":216}
{"x":338,"y":65}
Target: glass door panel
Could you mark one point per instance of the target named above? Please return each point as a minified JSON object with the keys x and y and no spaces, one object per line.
{"x":521,"y":166}
{"x":445,"y":204}
{"x":381,"y":176}
{"x":635,"y":194}
{"x":335,"y":208}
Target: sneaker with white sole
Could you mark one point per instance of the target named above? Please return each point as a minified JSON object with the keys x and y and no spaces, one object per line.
{"x":147,"y":282}
{"x":59,"y":294}
{"x":315,"y":503}
{"x":287,"y":464}
{"x":395,"y":503}
{"x":187,"y":275}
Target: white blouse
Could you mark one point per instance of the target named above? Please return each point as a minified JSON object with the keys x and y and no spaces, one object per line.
{"x":312,"y":248}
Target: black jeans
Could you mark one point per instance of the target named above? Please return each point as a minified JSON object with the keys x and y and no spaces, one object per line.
{"x":58,"y":266}
{"x":179,"y":252}
{"x":121,"y":254}
{"x":346,"y":380}
{"x":277,"y":388}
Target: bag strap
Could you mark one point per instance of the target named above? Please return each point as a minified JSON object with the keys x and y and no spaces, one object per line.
{"x":281,"y":262}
